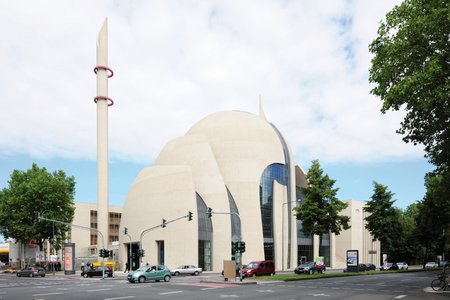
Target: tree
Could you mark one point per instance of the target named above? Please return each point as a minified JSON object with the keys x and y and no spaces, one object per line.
{"x":320,"y":208}
{"x":411,"y":71}
{"x":434,"y":220}
{"x":383,"y":221}
{"x":32,"y":192}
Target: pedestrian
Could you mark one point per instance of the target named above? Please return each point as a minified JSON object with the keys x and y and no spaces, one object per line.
{"x":82,"y":266}
{"x":127,"y":267}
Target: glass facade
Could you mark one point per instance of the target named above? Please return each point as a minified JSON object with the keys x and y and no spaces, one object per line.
{"x":204,"y":235}
{"x":274,"y":172}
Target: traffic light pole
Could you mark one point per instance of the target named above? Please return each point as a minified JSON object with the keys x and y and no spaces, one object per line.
{"x":81,"y":227}
{"x":129,"y":260}
{"x":162,"y":225}
{"x":210,"y":212}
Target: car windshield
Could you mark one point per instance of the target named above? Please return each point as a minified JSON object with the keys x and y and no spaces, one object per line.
{"x":143,"y":269}
{"x":252,"y":265}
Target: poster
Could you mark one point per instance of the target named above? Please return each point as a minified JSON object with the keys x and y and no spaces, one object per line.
{"x":69,"y":258}
{"x":352,"y":258}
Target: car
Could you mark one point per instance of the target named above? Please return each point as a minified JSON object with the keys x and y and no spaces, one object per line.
{"x":431,"y":265}
{"x":31,"y":272}
{"x":147,"y":273}
{"x":370,"y":267}
{"x":305,"y":268}
{"x":402,"y":266}
{"x":97,"y":271}
{"x":361,"y":268}
{"x":186,"y":270}
{"x":389,"y":266}
{"x":260,"y":267}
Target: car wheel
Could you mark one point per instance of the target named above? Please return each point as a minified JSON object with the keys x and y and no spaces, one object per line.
{"x":141,"y":279}
{"x":18,"y":275}
{"x":31,"y":275}
{"x":85,"y":275}
{"x":196,"y":273}
{"x":177,"y":273}
{"x":167,"y":278}
{"x":43,"y":275}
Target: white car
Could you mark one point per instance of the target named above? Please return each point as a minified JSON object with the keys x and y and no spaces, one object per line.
{"x":186,"y":270}
{"x":431,"y":265}
{"x":402,"y":266}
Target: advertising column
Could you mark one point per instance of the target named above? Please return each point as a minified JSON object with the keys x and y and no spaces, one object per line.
{"x":69,"y":258}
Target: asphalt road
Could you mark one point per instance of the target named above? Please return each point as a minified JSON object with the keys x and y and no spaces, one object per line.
{"x":409,"y":286}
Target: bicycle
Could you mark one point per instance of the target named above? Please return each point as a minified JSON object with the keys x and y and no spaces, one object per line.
{"x":441,"y":283}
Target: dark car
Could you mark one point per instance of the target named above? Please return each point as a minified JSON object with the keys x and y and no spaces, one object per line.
{"x":361,"y":268}
{"x":91,"y":272}
{"x":31,"y":272}
{"x":306,"y":268}
{"x":370,"y":267}
{"x":389,"y":266}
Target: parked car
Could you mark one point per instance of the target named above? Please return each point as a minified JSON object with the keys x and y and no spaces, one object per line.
{"x":256,"y":268}
{"x":389,"y":266}
{"x":147,"y":273}
{"x":402,"y":266}
{"x":186,"y":270}
{"x":361,"y":268}
{"x":305,"y":268}
{"x":31,"y":272}
{"x":320,"y":267}
{"x":431,"y":265}
{"x":97,"y":271}
{"x":370,"y":267}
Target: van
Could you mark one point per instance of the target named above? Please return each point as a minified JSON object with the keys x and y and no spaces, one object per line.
{"x":261,"y":267}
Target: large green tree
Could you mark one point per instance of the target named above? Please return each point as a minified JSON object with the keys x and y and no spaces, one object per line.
{"x":411,"y":72}
{"x":433,"y":222}
{"x":383,"y":220}
{"x":30,"y":193}
{"x":320,"y":208}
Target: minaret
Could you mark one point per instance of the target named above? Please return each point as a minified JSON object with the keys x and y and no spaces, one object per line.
{"x":103,"y":101}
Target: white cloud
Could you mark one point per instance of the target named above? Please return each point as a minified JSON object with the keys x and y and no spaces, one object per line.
{"x":177,"y":61}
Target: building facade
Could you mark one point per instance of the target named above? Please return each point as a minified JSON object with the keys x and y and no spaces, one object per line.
{"x":238,"y":165}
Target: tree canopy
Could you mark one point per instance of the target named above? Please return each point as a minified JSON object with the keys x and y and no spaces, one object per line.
{"x":411,"y":71}
{"x":37,"y":191}
{"x":320,"y":208}
{"x":383,"y":220}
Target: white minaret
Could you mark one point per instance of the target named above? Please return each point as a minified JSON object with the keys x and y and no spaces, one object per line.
{"x":103,"y":101}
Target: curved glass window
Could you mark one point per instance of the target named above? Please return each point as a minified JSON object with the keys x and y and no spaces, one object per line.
{"x":274,"y":172}
{"x":204,"y":235}
{"x":235,"y":220}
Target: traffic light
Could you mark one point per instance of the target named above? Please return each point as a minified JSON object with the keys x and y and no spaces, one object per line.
{"x":141,"y":253}
{"x":111,"y":253}
{"x":242,"y":248}
{"x":189,"y":216}
{"x":163,"y":224}
{"x":100,"y":253}
{"x":105,"y":253}
{"x":125,"y":230}
{"x":234,"y":247}
{"x":209,"y":212}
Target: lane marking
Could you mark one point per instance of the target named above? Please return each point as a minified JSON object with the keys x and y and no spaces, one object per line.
{"x":400,"y":297}
{"x":169,"y":293}
{"x":124,"y":297}
{"x":98,"y":290}
{"x":47,"y":294}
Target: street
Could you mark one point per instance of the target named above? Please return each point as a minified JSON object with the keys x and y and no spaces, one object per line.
{"x":410,"y":286}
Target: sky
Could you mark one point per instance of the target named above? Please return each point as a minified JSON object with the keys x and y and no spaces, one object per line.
{"x":176,"y":62}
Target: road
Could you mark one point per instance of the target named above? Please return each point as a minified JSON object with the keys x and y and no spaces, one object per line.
{"x":407,"y":286}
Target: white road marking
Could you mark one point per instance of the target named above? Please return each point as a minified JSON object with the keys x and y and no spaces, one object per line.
{"x":168,"y":293}
{"x":229,"y":296}
{"x":116,"y":298}
{"x":319,"y":295}
{"x":400,"y":297}
{"x":98,"y":290}
{"x":47,"y":294}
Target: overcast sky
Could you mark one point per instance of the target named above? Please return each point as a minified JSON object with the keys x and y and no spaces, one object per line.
{"x":176,"y":62}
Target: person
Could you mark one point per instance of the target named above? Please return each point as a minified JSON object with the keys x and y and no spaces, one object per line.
{"x":82,"y":266}
{"x":127,"y":267}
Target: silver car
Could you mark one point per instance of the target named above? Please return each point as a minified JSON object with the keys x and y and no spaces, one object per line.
{"x":186,"y":270}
